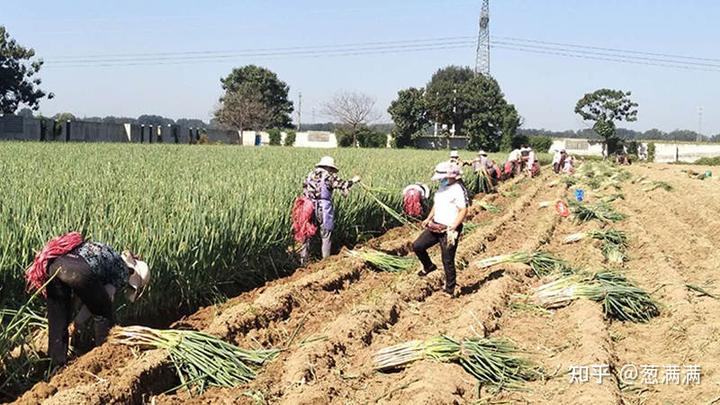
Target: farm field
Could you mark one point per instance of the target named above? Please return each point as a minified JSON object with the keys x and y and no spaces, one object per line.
{"x":333,"y":316}
{"x":210,"y":220}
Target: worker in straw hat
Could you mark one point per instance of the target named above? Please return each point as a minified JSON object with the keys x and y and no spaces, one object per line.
{"x":483,"y":162}
{"x":318,"y":189}
{"x":88,"y":272}
{"x":443,"y":224}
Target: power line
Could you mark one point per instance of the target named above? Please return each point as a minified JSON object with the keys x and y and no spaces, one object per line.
{"x":608,"y":59}
{"x":384,"y":47}
{"x":605,"y":49}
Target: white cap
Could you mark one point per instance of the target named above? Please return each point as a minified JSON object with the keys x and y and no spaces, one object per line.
{"x":422,"y":188}
{"x":454,"y":154}
{"x":446,"y":170}
{"x":327,"y":161}
{"x":140,"y":276}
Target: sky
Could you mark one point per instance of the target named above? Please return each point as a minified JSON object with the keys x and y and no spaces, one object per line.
{"x":543,"y":86}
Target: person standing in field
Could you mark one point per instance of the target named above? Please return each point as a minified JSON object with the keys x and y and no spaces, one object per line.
{"x":89,"y":272}
{"x":443,"y":224}
{"x":318,"y":188}
{"x":533,"y":166}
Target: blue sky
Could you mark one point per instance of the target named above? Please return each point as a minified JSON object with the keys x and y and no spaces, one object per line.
{"x":543,"y":87}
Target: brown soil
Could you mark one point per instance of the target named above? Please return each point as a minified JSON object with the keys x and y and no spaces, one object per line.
{"x":333,"y":316}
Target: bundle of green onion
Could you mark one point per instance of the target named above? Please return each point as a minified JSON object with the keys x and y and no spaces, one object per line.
{"x":489,"y":360}
{"x":614,"y":242}
{"x":601,"y":211}
{"x":659,"y":184}
{"x":613,"y":197}
{"x":488,"y":207}
{"x":484,"y":182}
{"x":200,"y":360}
{"x":621,"y":299}
{"x":383,"y":261}
{"x":396,"y":215}
{"x":542,"y":263}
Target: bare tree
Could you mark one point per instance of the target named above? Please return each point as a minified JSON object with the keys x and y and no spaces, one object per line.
{"x":351,"y":109}
{"x":243,"y":109}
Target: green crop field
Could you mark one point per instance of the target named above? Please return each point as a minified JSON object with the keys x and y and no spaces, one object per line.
{"x":208,"y":219}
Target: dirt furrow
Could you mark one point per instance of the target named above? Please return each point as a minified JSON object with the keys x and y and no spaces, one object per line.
{"x":357,"y":359}
{"x":670,"y":253}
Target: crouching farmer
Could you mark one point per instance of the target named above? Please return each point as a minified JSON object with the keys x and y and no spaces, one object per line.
{"x":414,"y":197}
{"x":444,"y":224}
{"x":317,"y":195}
{"x":87,"y":271}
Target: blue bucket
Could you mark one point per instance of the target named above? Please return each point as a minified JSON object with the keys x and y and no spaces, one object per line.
{"x":579,"y":194}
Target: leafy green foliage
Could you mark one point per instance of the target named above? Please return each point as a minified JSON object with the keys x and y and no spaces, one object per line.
{"x":604,"y":107}
{"x":409,"y":114}
{"x":18,"y":80}
{"x":457,"y":96}
{"x":275,"y":136}
{"x":267,"y":87}
{"x":651,"y":152}
{"x":290,"y":138}
{"x":540,"y":143}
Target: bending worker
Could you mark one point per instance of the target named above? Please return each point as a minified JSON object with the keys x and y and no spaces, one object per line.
{"x":443,"y":224}
{"x":91,"y":272}
{"x":319,"y":186}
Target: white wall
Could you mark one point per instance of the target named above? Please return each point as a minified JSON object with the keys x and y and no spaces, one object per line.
{"x":582,"y":147}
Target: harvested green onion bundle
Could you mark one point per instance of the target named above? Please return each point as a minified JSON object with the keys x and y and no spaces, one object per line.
{"x":613,"y":197}
{"x":484,"y":182}
{"x":541,"y":263}
{"x":621,"y":299}
{"x":488,"y":207}
{"x":200,"y":360}
{"x":614,"y":242}
{"x":601,"y":211}
{"x":384,"y":261}
{"x":397,"y":216}
{"x":659,"y":184}
{"x":489,"y":360}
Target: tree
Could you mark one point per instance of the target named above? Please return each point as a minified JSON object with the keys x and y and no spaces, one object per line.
{"x":154,"y":120}
{"x":244,"y":108}
{"x":275,"y":136}
{"x":290,"y":138}
{"x":65,"y":116}
{"x":18,"y":81}
{"x":409,"y":114}
{"x":370,"y":138}
{"x":604,"y":107}
{"x":191,"y":122}
{"x":262,"y":86}
{"x":353,"y":110}
{"x":474,"y":104}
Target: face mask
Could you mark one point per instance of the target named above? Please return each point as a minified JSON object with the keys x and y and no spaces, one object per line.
{"x":444,"y":182}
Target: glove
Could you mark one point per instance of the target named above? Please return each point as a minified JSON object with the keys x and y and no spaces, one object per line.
{"x":355,"y":179}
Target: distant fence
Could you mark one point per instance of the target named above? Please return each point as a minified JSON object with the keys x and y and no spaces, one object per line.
{"x":18,"y":128}
{"x":665,"y":152}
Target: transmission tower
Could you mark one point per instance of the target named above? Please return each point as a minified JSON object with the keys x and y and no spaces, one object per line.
{"x":482,"y":55}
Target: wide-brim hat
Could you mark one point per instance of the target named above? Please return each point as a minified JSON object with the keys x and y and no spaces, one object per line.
{"x":446,"y":170}
{"x":482,"y":152}
{"x":327,"y":161}
{"x":454,"y":154}
{"x":139,"y":279}
{"x":422,"y":188}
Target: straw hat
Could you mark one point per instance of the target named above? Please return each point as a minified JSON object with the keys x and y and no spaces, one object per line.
{"x":446,"y":170}
{"x":140,"y":276}
{"x":454,"y":154}
{"x":482,"y":153}
{"x":327,"y":161}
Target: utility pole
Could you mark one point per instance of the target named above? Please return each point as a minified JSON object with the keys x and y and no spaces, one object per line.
{"x":482,"y":53}
{"x":299,"y":111}
{"x":699,"y":136}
